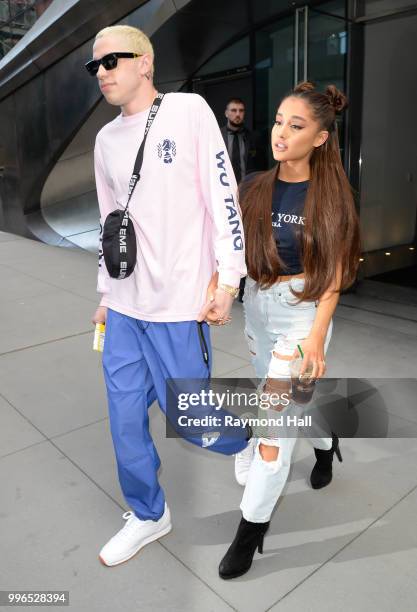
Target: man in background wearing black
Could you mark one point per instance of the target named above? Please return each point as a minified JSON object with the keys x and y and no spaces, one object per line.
{"x":244,"y":147}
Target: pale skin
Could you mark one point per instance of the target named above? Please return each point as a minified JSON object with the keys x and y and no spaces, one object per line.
{"x":131,"y":87}
{"x":294,"y":137}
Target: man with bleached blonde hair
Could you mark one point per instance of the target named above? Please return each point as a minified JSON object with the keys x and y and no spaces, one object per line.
{"x":188,"y":231}
{"x":137,"y":41}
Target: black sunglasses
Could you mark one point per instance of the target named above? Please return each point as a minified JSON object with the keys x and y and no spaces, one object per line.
{"x":109,"y":61}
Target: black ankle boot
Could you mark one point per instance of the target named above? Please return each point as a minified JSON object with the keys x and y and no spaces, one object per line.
{"x":238,"y":558}
{"x":322,"y":471}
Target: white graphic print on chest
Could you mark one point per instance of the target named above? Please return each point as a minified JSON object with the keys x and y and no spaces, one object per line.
{"x":286,"y":218}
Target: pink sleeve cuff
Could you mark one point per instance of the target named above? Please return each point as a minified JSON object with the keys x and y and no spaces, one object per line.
{"x":229,"y":277}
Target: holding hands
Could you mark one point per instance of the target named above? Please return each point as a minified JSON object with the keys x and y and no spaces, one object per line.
{"x":216,"y":310}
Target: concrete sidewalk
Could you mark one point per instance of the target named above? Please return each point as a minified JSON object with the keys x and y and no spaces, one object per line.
{"x":351,"y":546}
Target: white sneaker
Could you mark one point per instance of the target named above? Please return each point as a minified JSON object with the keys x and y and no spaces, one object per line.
{"x":243,"y":462}
{"x":134,"y":536}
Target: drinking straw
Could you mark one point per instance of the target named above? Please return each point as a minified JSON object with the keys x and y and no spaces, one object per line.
{"x":301,"y":351}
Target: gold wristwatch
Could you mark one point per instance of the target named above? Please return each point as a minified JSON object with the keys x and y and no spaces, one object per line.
{"x":233,"y":291}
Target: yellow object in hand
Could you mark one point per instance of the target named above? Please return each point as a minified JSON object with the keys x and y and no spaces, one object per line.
{"x":98,"y":343}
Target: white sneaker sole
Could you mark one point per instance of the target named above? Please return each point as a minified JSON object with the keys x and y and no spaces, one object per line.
{"x":148,"y":540}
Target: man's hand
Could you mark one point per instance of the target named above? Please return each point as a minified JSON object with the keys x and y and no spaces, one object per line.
{"x":100,"y":315}
{"x":217,"y":308}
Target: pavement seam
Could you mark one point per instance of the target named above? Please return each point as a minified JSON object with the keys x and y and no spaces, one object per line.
{"x":337,"y":316}
{"x":27,"y":420}
{"x":30,"y":346}
{"x":46,"y":438}
{"x":414,"y":488}
{"x":60,"y":435}
{"x":52,"y":443}
{"x":389,"y":299}
{"x":88,"y":253}
{"x":19,"y":450}
{"x":197,"y":576}
{"x":379,"y":327}
{"x":124,"y":509}
{"x":377,"y":312}
{"x":79,"y":468}
{"x":83,"y":333}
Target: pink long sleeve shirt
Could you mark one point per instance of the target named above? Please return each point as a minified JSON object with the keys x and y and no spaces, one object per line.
{"x":184,"y":209}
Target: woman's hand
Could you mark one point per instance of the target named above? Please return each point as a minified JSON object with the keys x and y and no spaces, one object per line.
{"x":313,"y":349}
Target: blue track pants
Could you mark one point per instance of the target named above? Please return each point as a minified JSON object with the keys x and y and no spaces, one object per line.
{"x":138,"y":358}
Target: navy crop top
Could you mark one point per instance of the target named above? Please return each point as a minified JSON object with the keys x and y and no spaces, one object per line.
{"x":287,"y":222}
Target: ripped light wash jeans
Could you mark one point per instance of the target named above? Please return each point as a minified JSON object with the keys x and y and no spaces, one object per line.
{"x":274,"y":322}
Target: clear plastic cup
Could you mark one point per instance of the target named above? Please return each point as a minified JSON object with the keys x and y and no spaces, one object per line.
{"x":302,"y":385}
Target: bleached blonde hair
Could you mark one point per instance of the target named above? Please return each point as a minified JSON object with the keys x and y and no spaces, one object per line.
{"x":138,"y":41}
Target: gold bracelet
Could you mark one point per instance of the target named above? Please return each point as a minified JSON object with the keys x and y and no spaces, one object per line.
{"x":233,"y":291}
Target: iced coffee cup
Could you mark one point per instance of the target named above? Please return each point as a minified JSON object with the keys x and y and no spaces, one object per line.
{"x":302,"y":385}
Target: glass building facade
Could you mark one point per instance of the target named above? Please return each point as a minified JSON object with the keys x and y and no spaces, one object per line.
{"x":16,"y":18}
{"x":363,"y":54}
{"x":261,"y":67}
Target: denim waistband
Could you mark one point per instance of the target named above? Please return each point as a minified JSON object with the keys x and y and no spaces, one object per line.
{"x":277,"y":288}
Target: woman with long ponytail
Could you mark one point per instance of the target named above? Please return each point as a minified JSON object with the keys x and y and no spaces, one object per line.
{"x":303,"y":248}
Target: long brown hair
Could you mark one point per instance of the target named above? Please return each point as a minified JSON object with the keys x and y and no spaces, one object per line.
{"x":331,"y":230}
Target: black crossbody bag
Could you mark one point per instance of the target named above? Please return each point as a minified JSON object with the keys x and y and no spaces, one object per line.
{"x":119,"y":238}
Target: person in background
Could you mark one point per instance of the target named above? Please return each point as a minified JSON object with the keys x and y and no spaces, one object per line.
{"x":243,"y":145}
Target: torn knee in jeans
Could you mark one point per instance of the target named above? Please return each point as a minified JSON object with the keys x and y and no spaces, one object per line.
{"x":268,"y":453}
